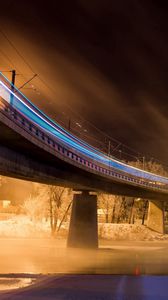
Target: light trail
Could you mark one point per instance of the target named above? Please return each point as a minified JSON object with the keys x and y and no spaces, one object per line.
{"x":26,"y":107}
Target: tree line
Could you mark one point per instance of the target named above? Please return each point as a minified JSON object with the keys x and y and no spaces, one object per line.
{"x":53,"y":203}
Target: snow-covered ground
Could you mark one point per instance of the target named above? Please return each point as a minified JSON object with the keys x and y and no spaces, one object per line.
{"x":129,"y":232}
{"x":22,"y":226}
{"x":11,"y":283}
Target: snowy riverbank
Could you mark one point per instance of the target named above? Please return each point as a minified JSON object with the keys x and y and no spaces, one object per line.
{"x":21,"y":226}
{"x":129,"y":232}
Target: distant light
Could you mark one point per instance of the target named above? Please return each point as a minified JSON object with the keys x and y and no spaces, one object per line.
{"x":78,"y":124}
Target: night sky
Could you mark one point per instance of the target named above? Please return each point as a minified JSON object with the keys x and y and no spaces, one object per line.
{"x":106,"y":60}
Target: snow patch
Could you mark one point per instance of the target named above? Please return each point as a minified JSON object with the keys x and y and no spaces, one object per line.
{"x":129,"y":232}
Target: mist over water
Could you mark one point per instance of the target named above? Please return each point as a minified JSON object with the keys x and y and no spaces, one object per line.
{"x":50,"y":256}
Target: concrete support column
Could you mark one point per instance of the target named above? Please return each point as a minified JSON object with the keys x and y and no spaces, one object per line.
{"x":83,"y":231}
{"x":155,"y":218}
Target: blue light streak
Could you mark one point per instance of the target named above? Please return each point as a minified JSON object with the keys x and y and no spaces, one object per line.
{"x":45,"y":123}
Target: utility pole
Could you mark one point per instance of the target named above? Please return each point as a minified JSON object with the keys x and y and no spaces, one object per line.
{"x":143,"y":161}
{"x":109,"y":147}
{"x":12,"y":85}
{"x":13,"y":77}
{"x":69,"y":124}
{"x":120,"y":153}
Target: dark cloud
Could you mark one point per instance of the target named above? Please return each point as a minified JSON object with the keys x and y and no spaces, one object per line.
{"x":105,"y":59}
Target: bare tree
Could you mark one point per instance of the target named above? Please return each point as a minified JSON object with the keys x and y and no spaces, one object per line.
{"x":106,"y":202}
{"x":114,"y":207}
{"x":51,"y":202}
{"x":55,"y":201}
{"x":132,"y":212}
{"x":121,"y":210}
{"x":144,"y":211}
{"x":150,"y":166}
{"x":35,"y":208}
{"x":59,"y":200}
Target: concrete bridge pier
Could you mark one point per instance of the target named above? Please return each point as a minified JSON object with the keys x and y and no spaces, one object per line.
{"x":83,"y":230}
{"x":155,"y":219}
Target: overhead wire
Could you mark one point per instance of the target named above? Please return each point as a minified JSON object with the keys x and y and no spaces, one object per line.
{"x":51,"y":89}
{"x":105,"y":135}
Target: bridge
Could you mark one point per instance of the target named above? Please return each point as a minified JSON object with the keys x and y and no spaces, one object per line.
{"x":34,"y":147}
